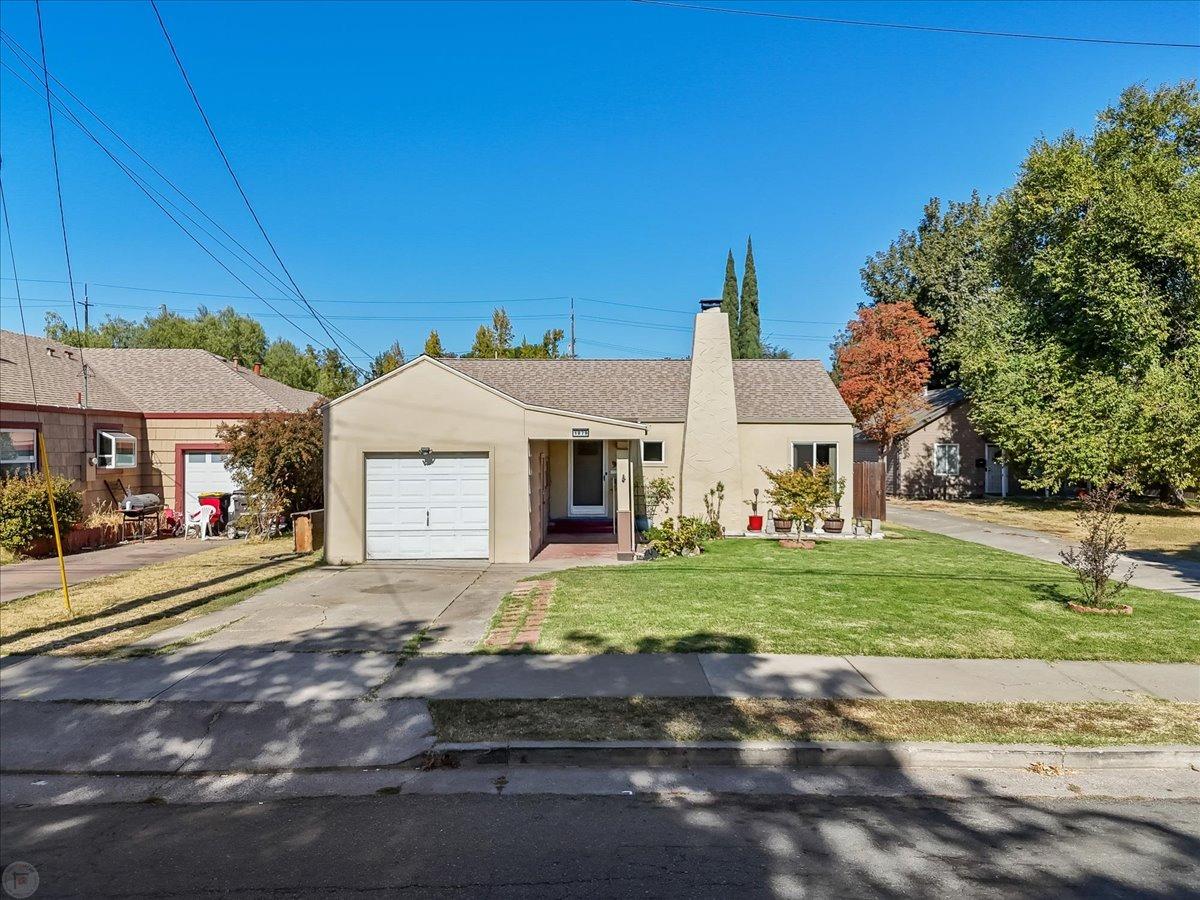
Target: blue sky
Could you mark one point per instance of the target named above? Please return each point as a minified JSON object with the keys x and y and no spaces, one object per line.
{"x":496,"y":152}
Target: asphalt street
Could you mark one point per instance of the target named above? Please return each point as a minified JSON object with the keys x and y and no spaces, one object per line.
{"x":605,"y":846}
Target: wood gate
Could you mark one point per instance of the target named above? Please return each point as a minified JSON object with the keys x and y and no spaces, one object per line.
{"x":870,"y":497}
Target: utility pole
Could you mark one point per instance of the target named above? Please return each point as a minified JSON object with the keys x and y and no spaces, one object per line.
{"x":86,"y":331}
{"x":572,"y":353}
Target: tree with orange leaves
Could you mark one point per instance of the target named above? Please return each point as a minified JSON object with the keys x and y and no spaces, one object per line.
{"x":883,"y":368}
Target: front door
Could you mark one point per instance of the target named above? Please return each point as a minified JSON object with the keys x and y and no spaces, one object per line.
{"x":994,"y":478}
{"x":587,"y":478}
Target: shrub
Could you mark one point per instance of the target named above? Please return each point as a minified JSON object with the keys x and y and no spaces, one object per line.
{"x":659,"y":494}
{"x":682,"y":536}
{"x":800,"y":493}
{"x":278,"y":458}
{"x":706,"y":529}
{"x":712,"y":505}
{"x":1095,"y":560}
{"x":25,"y":512}
{"x":104,"y":514}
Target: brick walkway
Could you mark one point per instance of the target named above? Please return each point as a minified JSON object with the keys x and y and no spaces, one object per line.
{"x":520,"y":624}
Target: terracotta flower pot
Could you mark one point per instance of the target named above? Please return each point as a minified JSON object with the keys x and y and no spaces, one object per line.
{"x":755,"y":523}
{"x":833,"y":526}
{"x":783,"y":526}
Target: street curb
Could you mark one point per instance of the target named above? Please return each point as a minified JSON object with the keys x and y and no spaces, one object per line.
{"x":806,"y":754}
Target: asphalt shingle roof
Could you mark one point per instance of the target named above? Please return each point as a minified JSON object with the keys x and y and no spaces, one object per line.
{"x":656,"y":390}
{"x":147,"y":381}
{"x":936,"y":403}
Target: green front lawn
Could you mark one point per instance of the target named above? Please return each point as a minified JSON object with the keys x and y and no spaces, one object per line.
{"x":912,"y":594}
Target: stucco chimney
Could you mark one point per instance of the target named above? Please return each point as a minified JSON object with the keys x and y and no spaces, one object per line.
{"x":711,"y":452}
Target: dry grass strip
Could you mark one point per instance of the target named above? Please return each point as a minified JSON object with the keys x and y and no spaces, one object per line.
{"x":722,"y":719}
{"x":118,"y":610}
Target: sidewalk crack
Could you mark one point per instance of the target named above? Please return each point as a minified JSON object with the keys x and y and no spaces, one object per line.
{"x":863,"y":676}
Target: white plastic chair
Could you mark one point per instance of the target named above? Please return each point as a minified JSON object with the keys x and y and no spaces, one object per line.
{"x":201,"y":520}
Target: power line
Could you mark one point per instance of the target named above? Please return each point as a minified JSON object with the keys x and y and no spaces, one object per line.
{"x":621,"y":347}
{"x":12,"y":257}
{"x":427,"y":300}
{"x":263,"y":270}
{"x":233,"y":175}
{"x":129,"y":173}
{"x":47,"y":301}
{"x":62,"y":211}
{"x":862,"y":23}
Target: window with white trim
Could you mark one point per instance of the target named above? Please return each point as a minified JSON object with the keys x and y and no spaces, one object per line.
{"x":946,"y":460}
{"x":115,"y":450}
{"x":654,"y":453}
{"x":808,"y":454}
{"x":18,"y":451}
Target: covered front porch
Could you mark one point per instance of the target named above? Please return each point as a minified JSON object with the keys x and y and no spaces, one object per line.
{"x":581,"y":498}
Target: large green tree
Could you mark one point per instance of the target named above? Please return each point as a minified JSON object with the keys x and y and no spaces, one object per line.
{"x":226,"y":333}
{"x":942,"y":269}
{"x":729,"y":305}
{"x":433,"y":346}
{"x":749,"y":325}
{"x":323,"y":371}
{"x":285,"y":362}
{"x":1085,"y":363}
{"x":495,"y":341}
{"x":388,"y":361}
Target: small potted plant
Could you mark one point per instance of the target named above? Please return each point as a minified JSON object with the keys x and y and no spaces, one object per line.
{"x":835,"y":523}
{"x":782,"y":521}
{"x":755,"y":522}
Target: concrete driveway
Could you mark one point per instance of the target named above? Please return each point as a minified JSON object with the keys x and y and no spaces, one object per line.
{"x":1156,"y":571}
{"x":33,"y":576}
{"x":375,"y":606}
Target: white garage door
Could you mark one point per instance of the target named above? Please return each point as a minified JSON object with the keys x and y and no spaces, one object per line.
{"x":435,"y":509}
{"x":204,"y":472}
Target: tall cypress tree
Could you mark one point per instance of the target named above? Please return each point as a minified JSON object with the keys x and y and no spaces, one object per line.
{"x":729,"y":306}
{"x":749,"y":326}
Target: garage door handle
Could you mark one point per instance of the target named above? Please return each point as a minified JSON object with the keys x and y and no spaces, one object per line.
{"x":426,"y":518}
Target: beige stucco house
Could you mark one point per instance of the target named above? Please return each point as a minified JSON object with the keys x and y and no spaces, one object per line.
{"x":493,"y":458}
{"x":145,"y":421}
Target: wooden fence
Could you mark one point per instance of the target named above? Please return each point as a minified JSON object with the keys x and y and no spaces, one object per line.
{"x":870,"y":497}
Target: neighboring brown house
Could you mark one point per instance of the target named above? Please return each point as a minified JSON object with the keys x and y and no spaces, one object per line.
{"x":147,"y":423}
{"x":942,"y":456}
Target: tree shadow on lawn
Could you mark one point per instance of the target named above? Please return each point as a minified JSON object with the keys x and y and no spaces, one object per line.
{"x":696,"y":642}
{"x":777,"y":572}
{"x":104,"y":629}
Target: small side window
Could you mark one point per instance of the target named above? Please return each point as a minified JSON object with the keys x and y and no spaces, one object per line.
{"x":115,"y":450}
{"x":653,"y":452}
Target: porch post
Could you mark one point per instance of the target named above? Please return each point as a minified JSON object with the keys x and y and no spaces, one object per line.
{"x":624,"y":511}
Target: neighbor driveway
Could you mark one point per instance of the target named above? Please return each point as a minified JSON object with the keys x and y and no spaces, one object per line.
{"x":436,"y":606}
{"x":33,"y":576}
{"x":1156,"y":571}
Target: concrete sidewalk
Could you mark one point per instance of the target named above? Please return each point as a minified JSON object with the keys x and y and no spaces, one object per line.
{"x":1155,"y":571}
{"x":36,"y":575}
{"x":183,"y":737}
{"x":256,"y":675}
